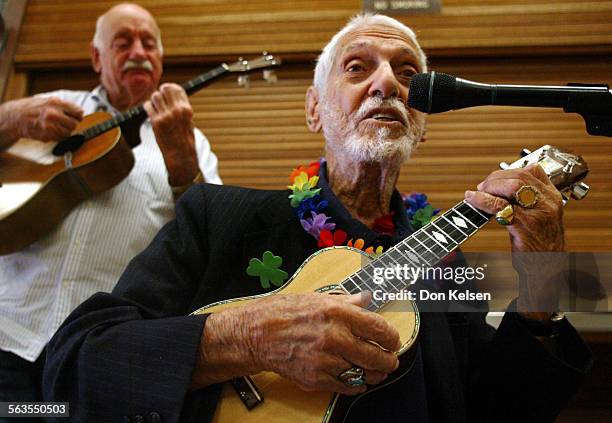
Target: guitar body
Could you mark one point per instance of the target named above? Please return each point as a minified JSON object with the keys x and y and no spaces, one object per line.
{"x":39,"y":189}
{"x":321,"y":272}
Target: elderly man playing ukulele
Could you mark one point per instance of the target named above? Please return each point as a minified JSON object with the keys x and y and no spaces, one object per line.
{"x":41,"y":284}
{"x":140,"y":347}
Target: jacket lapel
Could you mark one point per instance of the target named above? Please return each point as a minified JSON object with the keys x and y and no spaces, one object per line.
{"x":280,"y":232}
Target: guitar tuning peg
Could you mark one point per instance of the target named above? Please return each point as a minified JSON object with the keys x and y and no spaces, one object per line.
{"x":504,"y":166}
{"x":270,"y":76}
{"x":525,"y":152}
{"x":244,"y":81}
{"x":580,"y":190}
{"x":243,"y":63}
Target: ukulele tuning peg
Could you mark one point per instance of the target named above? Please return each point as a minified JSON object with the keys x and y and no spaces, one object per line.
{"x":266,"y":55}
{"x":504,"y":165}
{"x":270,"y":76}
{"x":525,"y":152}
{"x":244,"y":64}
{"x":579,"y":191}
{"x":244,"y":81}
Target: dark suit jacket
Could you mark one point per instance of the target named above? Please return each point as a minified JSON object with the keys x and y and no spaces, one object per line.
{"x":132,"y":352}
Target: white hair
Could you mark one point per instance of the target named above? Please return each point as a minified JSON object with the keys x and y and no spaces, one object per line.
{"x":97,"y":38}
{"x":326,"y":59}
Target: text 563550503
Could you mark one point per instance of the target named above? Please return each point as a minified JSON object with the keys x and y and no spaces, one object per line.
{"x":34,"y":409}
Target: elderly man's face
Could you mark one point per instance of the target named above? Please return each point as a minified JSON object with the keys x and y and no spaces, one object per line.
{"x":363,"y":109}
{"x":130,"y":62}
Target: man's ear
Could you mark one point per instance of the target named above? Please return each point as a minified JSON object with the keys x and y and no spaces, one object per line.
{"x":424,"y":134}
{"x":313,"y":119}
{"x":95,"y":58}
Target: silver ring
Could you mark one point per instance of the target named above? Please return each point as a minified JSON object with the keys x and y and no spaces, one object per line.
{"x":352,"y":377}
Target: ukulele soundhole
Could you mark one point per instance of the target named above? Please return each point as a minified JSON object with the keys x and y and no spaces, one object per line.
{"x":74,"y":142}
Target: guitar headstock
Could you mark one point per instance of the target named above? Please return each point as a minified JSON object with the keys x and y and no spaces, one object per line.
{"x":243,"y":66}
{"x":564,"y":169}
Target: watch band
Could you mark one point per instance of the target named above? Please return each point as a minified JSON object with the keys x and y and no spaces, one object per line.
{"x":548,"y":328}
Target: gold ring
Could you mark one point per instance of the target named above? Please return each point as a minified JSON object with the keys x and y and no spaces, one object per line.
{"x":505,"y":216}
{"x":526,"y":196}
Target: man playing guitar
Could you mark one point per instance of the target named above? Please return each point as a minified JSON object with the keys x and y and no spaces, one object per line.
{"x":86,"y":253}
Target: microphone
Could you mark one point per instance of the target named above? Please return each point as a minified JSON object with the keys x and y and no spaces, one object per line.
{"x":438,"y":92}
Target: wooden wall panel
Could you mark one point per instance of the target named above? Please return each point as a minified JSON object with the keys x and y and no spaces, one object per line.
{"x":259,"y":135}
{"x":57,"y":31}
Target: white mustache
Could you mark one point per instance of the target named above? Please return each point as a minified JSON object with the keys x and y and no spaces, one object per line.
{"x":372,"y":103}
{"x":133,"y":64}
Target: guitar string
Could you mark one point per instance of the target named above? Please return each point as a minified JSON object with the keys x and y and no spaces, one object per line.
{"x":189,"y":87}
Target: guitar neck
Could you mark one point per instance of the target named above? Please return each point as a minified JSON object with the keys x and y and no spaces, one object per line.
{"x":422,"y":249}
{"x":204,"y":79}
{"x":190,"y":87}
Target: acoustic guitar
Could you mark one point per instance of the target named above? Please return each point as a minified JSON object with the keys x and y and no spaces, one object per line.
{"x":267,"y":396}
{"x":41,"y":182}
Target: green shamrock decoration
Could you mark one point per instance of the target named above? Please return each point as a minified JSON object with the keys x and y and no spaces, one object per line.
{"x":422,"y":216}
{"x":268,"y":270}
{"x":300,"y":194}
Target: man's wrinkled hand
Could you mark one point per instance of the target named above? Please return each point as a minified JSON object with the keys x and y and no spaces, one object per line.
{"x":44,"y":118}
{"x":536,"y":233}
{"x":539,"y":228}
{"x":309,"y":339}
{"x":172,"y":121}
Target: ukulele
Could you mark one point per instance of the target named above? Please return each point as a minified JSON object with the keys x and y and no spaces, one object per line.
{"x":41,"y":182}
{"x":346,"y":270}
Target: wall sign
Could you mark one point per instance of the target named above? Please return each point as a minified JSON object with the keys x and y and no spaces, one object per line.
{"x":402,"y":7}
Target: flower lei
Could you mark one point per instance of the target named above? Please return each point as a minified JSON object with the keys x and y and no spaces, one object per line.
{"x":310,"y":209}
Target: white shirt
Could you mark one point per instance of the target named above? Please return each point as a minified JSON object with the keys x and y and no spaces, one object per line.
{"x":88,"y":251}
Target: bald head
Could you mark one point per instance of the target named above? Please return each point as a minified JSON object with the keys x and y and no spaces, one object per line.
{"x":113,"y":16}
{"x":126,"y":52}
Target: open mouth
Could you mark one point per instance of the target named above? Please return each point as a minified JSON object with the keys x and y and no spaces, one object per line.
{"x":386,"y":116}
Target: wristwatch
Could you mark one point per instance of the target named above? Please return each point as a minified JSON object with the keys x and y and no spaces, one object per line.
{"x":547,"y":328}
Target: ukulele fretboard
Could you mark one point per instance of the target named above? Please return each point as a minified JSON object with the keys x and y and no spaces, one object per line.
{"x":422,"y":249}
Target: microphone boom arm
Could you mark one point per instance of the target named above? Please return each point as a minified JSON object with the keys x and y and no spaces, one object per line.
{"x":596,"y":111}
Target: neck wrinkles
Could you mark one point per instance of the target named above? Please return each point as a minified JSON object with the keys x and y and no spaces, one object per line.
{"x":365,"y":189}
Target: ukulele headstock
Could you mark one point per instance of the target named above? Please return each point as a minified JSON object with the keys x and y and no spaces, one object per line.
{"x":564,"y":169}
{"x":244,"y":67}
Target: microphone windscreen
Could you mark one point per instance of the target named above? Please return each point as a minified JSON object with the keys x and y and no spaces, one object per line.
{"x":418,"y":93}
{"x":429,"y":97}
